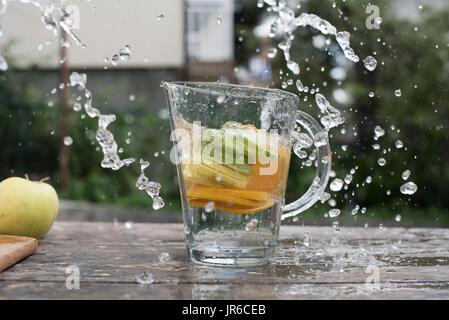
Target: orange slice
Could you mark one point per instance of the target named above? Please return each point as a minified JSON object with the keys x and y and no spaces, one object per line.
{"x":230,"y":207}
{"x":219,"y":192}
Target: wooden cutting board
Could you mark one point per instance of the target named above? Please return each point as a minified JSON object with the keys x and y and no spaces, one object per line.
{"x":13,"y":249}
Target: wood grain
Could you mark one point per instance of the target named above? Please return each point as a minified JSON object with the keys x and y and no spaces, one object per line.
{"x":14,"y":249}
{"x":412,"y":264}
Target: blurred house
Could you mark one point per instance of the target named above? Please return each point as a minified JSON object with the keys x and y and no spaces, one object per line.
{"x":210,"y":39}
{"x":175,"y":39}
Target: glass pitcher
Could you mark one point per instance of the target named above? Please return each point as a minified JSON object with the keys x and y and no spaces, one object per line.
{"x":232,"y":147}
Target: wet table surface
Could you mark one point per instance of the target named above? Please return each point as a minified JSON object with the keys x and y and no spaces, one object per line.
{"x":409,"y":264}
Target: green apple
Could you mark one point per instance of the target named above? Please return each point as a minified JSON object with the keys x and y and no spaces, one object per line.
{"x":27,"y":208}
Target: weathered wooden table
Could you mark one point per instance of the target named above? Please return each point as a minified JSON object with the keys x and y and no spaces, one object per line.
{"x":411,"y":264}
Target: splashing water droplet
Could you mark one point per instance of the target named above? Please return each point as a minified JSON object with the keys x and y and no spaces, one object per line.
{"x":399,"y":144}
{"x":251,"y":225}
{"x":321,"y":139}
{"x":378,"y":132}
{"x":336,"y":185}
{"x":299,"y":85}
{"x":370,"y":63}
{"x":145,"y":278}
{"x":125,"y":53}
{"x":293,"y":66}
{"x":355,"y":210}
{"x":348,"y":179}
{"x":272,"y":53}
{"x":409,"y":188}
{"x":68,"y":141}
{"x":333,"y":213}
{"x":3,"y":64}
{"x":115,"y":59}
{"x":77,"y":106}
{"x":164,"y":257}
{"x":129,"y":224}
{"x":307,"y":240}
{"x":382,"y":162}
{"x":221,"y":99}
{"x":406,"y":174}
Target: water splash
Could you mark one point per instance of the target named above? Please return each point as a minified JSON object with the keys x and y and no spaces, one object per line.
{"x":152,"y":188}
{"x":55,"y":18}
{"x":409,"y":188}
{"x":104,"y":137}
{"x":285,"y":23}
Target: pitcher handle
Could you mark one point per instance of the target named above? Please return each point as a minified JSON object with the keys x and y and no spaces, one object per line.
{"x":322,"y":171}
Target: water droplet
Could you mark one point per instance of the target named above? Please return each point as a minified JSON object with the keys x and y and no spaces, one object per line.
{"x":370,"y":63}
{"x":115,"y":59}
{"x":348,"y":179}
{"x":409,"y":188}
{"x":251,"y":225}
{"x":164,"y":257}
{"x":371,"y":94}
{"x":145,"y":278}
{"x":77,"y":106}
{"x":369,"y":179}
{"x":272,"y":53}
{"x":321,"y":139}
{"x":381,"y":162}
{"x":398,"y":218}
{"x":378,"y":132}
{"x":129,"y":224}
{"x":307,"y":240}
{"x":398,"y":92}
{"x":333,"y":213}
{"x":221,"y":99}
{"x":3,"y":64}
{"x":125,"y":53}
{"x":399,"y":144}
{"x":406,"y":174}
{"x":132,"y":97}
{"x":158,"y":203}
{"x":160,"y":16}
{"x":293,"y":66}
{"x":299,"y":85}
{"x":219,"y":20}
{"x":68,"y":141}
{"x":355,"y":210}
{"x":336,"y":185}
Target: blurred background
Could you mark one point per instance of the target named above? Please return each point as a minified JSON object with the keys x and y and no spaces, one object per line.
{"x":229,"y":41}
